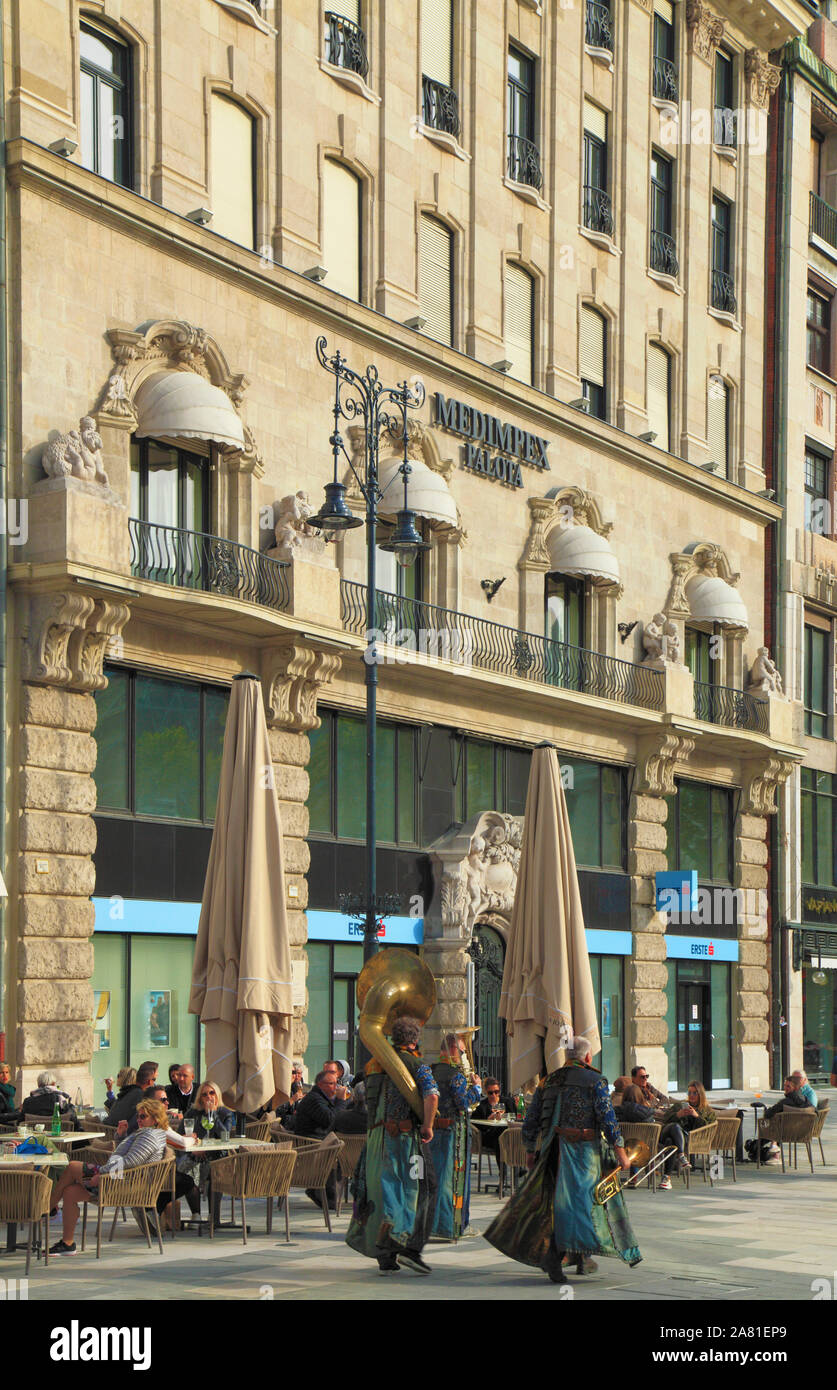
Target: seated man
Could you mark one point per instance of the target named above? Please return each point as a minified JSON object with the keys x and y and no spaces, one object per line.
{"x":805,"y":1088}
{"x":489,"y":1108}
{"x":125,"y":1104}
{"x":181,"y":1093}
{"x":793,"y":1099}
{"x":40,"y":1103}
{"x":650,"y":1095}
{"x":315,"y":1116}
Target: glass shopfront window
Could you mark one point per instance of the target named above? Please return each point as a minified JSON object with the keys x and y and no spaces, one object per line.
{"x":337,"y":776}
{"x":596,"y":805}
{"x":699,"y":1023}
{"x":703,"y":831}
{"x":819,"y":1017}
{"x":608,"y":988}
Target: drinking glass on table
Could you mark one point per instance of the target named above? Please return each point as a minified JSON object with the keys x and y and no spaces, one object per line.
{"x":188,"y":1126}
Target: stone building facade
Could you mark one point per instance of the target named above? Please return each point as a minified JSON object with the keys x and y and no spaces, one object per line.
{"x":614,"y":567}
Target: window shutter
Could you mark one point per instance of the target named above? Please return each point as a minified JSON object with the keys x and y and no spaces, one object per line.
{"x":436,"y":41}
{"x":591,"y":350}
{"x":341,"y":229}
{"x":665,"y":10}
{"x":232,"y":171}
{"x":659,"y":396}
{"x":518,"y":296}
{"x":595,"y":120}
{"x":350,"y":9}
{"x":435,"y":287}
{"x":717,"y":423}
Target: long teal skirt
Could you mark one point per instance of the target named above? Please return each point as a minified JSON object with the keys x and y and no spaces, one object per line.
{"x":450,"y":1151}
{"x":394,"y":1194}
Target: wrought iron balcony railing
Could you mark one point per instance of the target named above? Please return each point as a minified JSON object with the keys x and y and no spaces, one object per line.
{"x":823,"y":220}
{"x":458,"y":637}
{"x":725,"y":131}
{"x":345,"y":44}
{"x":665,"y":84}
{"x":598,"y":31}
{"x":734,"y":709}
{"x":525,"y":162}
{"x":193,"y":560}
{"x":723,"y":292}
{"x":664,"y":254}
{"x":598,"y":210}
{"x":439,"y":106}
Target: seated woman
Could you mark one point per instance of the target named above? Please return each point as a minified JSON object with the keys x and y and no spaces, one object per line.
{"x":212,"y":1120}
{"x":632,"y":1111}
{"x":126,"y":1080}
{"x":677,"y":1121}
{"x":8,"y":1107}
{"x":620,"y":1086}
{"x":79,"y":1181}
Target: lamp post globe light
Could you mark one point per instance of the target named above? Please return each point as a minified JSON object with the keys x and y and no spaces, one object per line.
{"x":379,"y":409}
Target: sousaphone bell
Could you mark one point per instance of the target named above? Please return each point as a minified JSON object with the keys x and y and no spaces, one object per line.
{"x":394,"y":984}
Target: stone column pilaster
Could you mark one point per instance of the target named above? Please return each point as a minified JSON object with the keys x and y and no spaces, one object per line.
{"x":751,"y":990}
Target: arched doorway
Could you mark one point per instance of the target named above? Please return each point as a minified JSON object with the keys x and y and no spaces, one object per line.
{"x":488,"y":952}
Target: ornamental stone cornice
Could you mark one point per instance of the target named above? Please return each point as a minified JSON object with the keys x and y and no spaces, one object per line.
{"x":761,"y":780}
{"x":292,"y":677}
{"x":706,"y":30}
{"x":762,"y":78}
{"x":66,"y":636}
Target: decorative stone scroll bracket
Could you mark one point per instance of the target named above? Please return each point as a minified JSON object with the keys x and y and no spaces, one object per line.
{"x":706,"y":30}
{"x":657,"y":759}
{"x":292,"y":678}
{"x":762,"y":78}
{"x":761,"y":781}
{"x":66,"y":637}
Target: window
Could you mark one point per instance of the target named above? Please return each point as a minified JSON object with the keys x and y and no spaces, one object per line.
{"x":337,"y":772}
{"x":345,"y":39}
{"x":169,"y":485}
{"x":717,"y":424}
{"x":440,"y":107}
{"x":663,"y":248}
{"x":524,"y":163}
{"x":699,"y":655}
{"x":565,"y":610}
{"x":664,"y":80}
{"x":598,"y":25}
{"x":817,"y":676}
{"x":105,"y":106}
{"x":436,"y":278}
{"x":725,"y":132}
{"x":817,"y":505}
{"x":819,"y":332}
{"x":703,"y":831}
{"x":341,"y":229}
{"x":518,"y":322}
{"x":492,"y":777}
{"x":723,"y":297}
{"x":232,"y":180}
{"x":817,"y":141}
{"x":819,"y":827}
{"x":159,"y":744}
{"x":598,"y":212}
{"x":596,"y":805}
{"x":593,"y":361}
{"x":659,"y":395}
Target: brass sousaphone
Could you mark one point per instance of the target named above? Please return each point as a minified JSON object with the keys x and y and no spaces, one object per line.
{"x":394,"y":984}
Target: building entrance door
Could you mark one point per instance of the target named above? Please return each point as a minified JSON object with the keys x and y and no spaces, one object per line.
{"x":694,"y":1037}
{"x":345,"y":1017}
{"x":488,"y":953}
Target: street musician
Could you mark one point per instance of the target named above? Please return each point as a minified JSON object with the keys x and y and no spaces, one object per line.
{"x":569,"y":1130}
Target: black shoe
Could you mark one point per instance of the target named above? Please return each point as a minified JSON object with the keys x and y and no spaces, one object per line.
{"x":553,"y":1267}
{"x":410,"y":1259}
{"x":388,"y":1267}
{"x":61,"y":1248}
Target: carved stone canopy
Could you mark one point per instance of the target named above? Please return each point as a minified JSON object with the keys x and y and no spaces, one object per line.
{"x":175,"y":345}
{"x":564,"y":508}
{"x":66,"y":636}
{"x":702,"y":558}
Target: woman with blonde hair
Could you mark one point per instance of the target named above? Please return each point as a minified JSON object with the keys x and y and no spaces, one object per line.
{"x":126,"y":1080}
{"x":213,"y":1120}
{"x":79,"y":1181}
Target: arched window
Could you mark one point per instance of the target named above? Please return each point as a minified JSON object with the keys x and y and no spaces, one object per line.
{"x":659,"y":395}
{"x":519,"y":322}
{"x":341,"y":229}
{"x":232,"y":171}
{"x":106,"y":105}
{"x":436,"y":278}
{"x":717,"y":424}
{"x":592,"y":361}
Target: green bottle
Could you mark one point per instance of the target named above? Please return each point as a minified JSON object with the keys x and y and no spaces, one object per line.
{"x":56,"y":1120}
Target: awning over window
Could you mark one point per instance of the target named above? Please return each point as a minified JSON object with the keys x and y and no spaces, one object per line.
{"x":712,"y":600}
{"x":580,"y":551}
{"x":427,"y":492}
{"x":176,"y":405}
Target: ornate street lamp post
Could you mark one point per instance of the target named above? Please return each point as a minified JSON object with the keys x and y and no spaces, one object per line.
{"x":380,"y":409}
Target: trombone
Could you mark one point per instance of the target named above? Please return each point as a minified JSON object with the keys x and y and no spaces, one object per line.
{"x":637,"y":1154}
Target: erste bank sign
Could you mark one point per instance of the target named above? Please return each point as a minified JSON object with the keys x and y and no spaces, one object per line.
{"x":485,"y":433}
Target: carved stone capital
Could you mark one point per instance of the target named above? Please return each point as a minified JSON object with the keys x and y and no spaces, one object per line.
{"x":762,"y":778}
{"x":102,"y":634}
{"x":657,"y":758}
{"x":536,"y":556}
{"x":66,"y":636}
{"x":762,"y":78}
{"x":706,"y":30}
{"x":292,"y":681}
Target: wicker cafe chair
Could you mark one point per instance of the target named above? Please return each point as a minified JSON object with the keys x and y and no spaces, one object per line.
{"x":770,"y":1131}
{"x":98,"y":1127}
{"x":798,"y":1128}
{"x":822,"y":1114}
{"x":258,"y":1173}
{"x":512,"y":1157}
{"x":99,"y":1153}
{"x":699,"y":1144}
{"x":353,"y":1146}
{"x":26,"y":1195}
{"x":478,"y":1153}
{"x":314,"y":1167}
{"x":726,"y":1137}
{"x":138,"y":1188}
{"x":643,"y":1134}
{"x":259,"y":1129}
{"x":287,"y":1136}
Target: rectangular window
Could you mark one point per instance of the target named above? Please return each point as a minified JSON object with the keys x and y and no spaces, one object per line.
{"x":105,"y":125}
{"x":725,"y":132}
{"x":663,"y":250}
{"x":524,"y":162}
{"x":717,"y":424}
{"x":232,"y":171}
{"x":819,"y":332}
{"x":597,"y":210}
{"x":816,"y":161}
{"x":437,"y":41}
{"x":341,"y":229}
{"x":337,"y":778}
{"x":436,"y":278}
{"x":819,"y":828}
{"x":659,"y":395}
{"x":592,"y":353}
{"x":817,"y":505}
{"x":518,"y":322}
{"x":703,"y":828}
{"x":320,"y":766}
{"x":817,"y":675}
{"x":564,"y":610}
{"x":698,"y":654}
{"x":723,"y":296}
{"x":159,"y":745}
{"x":665,"y":84}
{"x":479,"y":778}
{"x":596,"y":807}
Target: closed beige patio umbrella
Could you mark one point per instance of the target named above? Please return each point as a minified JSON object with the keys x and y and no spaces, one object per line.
{"x":547,"y":996}
{"x":241,"y":978}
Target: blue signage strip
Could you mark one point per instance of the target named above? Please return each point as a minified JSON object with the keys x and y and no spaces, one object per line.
{"x":393,"y":931}
{"x":144,"y":915}
{"x":677,"y":889}
{"x":608,"y":943}
{"x":706,"y":948}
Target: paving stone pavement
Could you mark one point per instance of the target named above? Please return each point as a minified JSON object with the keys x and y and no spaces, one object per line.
{"x":767,"y":1236}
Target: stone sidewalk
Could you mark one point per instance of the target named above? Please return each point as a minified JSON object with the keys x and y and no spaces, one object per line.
{"x":767,"y":1236}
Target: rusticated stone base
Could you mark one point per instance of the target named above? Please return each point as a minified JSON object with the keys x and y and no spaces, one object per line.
{"x":290,"y":752}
